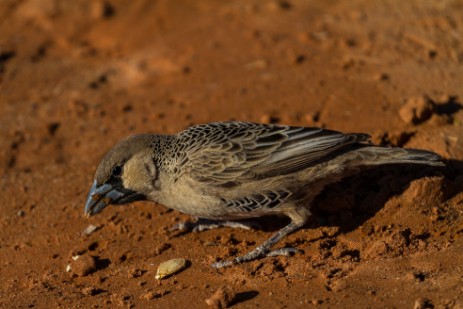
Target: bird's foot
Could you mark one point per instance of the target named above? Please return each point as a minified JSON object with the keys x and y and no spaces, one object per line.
{"x":256,"y":254}
{"x":288,"y":251}
{"x":264,"y":249}
{"x":205,"y":224}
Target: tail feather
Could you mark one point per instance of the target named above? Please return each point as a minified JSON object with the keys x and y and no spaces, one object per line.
{"x":376,"y":155}
{"x":423,"y":157}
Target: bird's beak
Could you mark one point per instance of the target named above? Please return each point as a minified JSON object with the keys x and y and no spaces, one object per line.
{"x":100,"y":197}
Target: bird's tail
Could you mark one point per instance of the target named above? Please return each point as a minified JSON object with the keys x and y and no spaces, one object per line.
{"x":377,"y":155}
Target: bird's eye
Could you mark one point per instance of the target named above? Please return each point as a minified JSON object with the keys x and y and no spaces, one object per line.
{"x":117,"y":171}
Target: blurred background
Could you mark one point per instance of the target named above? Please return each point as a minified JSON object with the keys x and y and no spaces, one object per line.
{"x":77,"y":76}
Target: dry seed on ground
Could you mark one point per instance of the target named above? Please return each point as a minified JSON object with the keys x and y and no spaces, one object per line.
{"x":170,"y":267}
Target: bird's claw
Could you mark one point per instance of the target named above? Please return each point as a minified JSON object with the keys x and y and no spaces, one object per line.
{"x":255,"y":255}
{"x":284,"y":252}
{"x":203,"y":225}
{"x":182,"y":226}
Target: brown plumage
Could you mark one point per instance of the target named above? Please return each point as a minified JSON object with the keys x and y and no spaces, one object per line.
{"x":237,"y":170}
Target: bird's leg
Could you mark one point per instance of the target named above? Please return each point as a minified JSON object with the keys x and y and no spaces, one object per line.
{"x":264,"y":249}
{"x":206,"y":224}
{"x":298,"y":220}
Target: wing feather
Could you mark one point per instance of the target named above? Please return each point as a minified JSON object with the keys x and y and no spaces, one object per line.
{"x":223,"y":152}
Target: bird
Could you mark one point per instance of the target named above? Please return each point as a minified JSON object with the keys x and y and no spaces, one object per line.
{"x":221,"y":172}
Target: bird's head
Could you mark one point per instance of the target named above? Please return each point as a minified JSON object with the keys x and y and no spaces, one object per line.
{"x":125,"y":174}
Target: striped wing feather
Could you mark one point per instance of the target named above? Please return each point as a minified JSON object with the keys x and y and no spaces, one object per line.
{"x":219,"y":153}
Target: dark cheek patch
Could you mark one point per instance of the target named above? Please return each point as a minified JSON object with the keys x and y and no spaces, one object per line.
{"x":116,"y":182}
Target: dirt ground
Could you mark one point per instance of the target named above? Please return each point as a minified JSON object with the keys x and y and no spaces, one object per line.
{"x":77,"y":76}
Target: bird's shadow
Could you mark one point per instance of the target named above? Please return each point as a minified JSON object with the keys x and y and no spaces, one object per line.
{"x":352,"y":201}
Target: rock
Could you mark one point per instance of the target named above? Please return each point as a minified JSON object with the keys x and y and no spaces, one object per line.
{"x":162,"y":247}
{"x":91,"y":291}
{"x":152,"y":295}
{"x":83,"y":265}
{"x":376,"y":249}
{"x":427,"y":191}
{"x":416,"y":110}
{"x":135,"y":272}
{"x":222,"y":298}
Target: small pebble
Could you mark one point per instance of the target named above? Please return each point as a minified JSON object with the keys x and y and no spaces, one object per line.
{"x":135,"y":272}
{"x":90,"y":291}
{"x":222,"y":298}
{"x":416,"y":110}
{"x":162,"y":247}
{"x":84,"y":265}
{"x":152,"y":295}
{"x":89,"y":229}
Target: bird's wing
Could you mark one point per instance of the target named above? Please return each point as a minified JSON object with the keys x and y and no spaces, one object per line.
{"x":230,"y":152}
{"x":267,"y":199}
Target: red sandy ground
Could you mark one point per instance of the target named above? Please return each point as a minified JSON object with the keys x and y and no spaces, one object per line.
{"x":77,"y":76}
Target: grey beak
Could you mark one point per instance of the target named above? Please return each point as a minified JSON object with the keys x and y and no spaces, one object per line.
{"x":100,"y":197}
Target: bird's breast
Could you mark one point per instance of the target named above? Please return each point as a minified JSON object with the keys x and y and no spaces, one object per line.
{"x":188,"y":197}
{"x":207,"y":201}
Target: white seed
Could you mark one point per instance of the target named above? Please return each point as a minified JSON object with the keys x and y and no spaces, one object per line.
{"x":170,"y":267}
{"x":68,"y":268}
{"x":75,"y":257}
